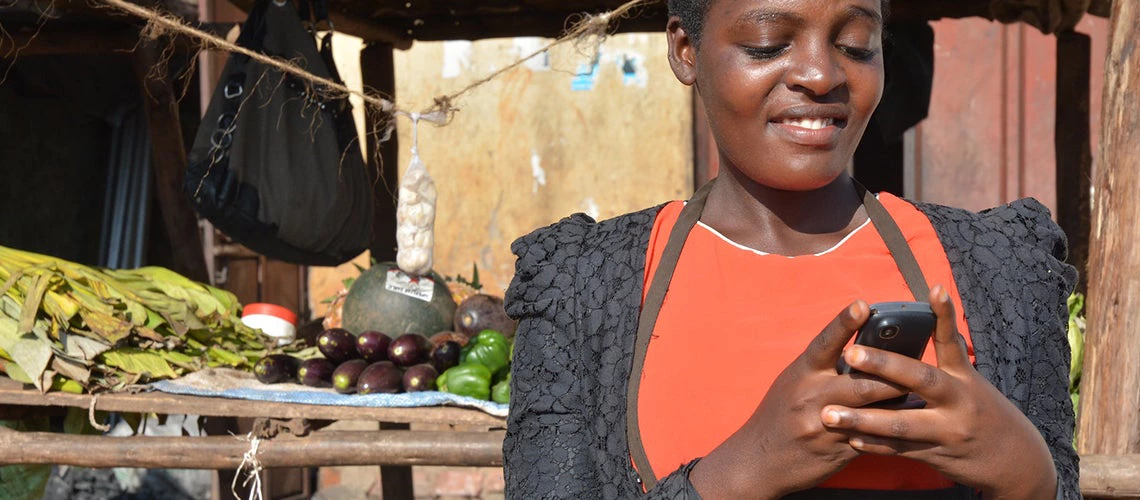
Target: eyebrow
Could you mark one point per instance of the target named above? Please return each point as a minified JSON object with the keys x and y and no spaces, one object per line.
{"x":855,"y":11}
{"x":760,"y":16}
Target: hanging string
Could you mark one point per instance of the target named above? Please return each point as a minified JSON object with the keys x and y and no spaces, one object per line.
{"x":592,"y":27}
{"x":250,"y":459}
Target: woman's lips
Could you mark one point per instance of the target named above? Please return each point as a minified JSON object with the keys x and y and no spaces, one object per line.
{"x":810,"y":132}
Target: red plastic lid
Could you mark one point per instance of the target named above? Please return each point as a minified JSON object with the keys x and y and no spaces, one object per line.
{"x":271,"y":310}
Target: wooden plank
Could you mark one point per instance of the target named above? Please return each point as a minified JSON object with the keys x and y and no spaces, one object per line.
{"x":378,"y":71}
{"x":322,"y":449}
{"x":168,"y":159}
{"x":242,"y":279}
{"x":13,"y":393}
{"x":1072,"y":147}
{"x":1109,"y":399}
{"x":1109,"y":476}
{"x":281,"y":284}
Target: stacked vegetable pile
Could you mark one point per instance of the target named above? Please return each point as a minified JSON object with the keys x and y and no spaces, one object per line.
{"x":71,"y":327}
{"x":374,"y":362}
{"x":463,"y":362}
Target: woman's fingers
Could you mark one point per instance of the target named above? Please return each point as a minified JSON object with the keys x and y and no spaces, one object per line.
{"x":928,"y":381}
{"x":826,"y":348}
{"x":879,"y":445}
{"x":905,"y":425}
{"x":949,"y":346}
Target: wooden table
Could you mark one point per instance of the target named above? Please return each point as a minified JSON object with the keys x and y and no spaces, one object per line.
{"x":474,"y":439}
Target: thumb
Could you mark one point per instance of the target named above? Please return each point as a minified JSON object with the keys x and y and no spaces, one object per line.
{"x":827,"y":347}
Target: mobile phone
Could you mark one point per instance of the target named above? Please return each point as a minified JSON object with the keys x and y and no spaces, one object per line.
{"x":900,"y":327}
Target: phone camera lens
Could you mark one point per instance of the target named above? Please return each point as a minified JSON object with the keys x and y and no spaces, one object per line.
{"x":889,"y":332}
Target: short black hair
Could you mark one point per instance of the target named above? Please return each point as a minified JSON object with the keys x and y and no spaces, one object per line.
{"x":693,"y":12}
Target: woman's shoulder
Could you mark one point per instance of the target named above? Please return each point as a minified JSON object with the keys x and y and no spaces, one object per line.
{"x":548,"y":257}
{"x":1024,"y":223}
{"x":575,"y":230}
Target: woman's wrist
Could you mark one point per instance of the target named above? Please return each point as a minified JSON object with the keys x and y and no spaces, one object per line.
{"x":1033,"y":474}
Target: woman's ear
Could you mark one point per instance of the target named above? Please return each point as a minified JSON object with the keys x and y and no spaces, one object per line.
{"x":682,"y":52}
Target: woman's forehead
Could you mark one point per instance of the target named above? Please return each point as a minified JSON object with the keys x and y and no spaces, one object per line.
{"x":792,"y":6}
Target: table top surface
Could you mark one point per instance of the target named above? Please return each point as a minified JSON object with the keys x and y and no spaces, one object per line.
{"x":17,"y":394}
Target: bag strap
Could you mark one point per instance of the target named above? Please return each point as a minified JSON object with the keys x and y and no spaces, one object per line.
{"x":883,"y":223}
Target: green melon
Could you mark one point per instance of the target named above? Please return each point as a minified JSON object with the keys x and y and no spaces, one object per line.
{"x":372,"y":305}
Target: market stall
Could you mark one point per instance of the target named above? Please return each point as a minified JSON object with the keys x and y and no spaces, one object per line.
{"x":292,"y":437}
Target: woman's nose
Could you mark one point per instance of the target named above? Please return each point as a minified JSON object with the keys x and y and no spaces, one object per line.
{"x":816,"y":70}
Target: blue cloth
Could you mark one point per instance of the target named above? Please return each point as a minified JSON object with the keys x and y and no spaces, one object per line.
{"x":329,"y":397}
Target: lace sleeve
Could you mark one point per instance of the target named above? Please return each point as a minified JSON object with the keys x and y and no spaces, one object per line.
{"x":1049,"y":406}
{"x":553,"y":448}
{"x":545,"y":451}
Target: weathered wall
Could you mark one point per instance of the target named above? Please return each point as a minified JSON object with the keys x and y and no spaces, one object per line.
{"x":537,"y":144}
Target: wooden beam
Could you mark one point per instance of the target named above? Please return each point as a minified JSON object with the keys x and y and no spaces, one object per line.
{"x":169,"y":161}
{"x":1110,"y":401}
{"x":1109,"y":476}
{"x":72,"y":41}
{"x":13,"y":393}
{"x":1072,"y":147}
{"x":378,"y":72}
{"x":355,"y":25}
{"x":321,"y":449}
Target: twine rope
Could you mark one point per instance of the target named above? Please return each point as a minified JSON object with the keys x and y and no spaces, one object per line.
{"x":591,"y":27}
{"x":91,"y":415}
{"x":254,"y":476}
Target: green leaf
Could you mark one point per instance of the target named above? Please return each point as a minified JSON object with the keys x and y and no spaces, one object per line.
{"x":138,"y":362}
{"x":15,"y":372}
{"x":32,"y":303}
{"x":27,"y":351}
{"x":224,"y":357}
{"x":180,"y":360}
{"x":108,"y":327}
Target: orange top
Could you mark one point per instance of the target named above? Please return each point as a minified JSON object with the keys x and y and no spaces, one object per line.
{"x":735,"y":317}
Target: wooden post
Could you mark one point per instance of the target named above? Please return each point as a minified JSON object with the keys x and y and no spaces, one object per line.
{"x":378,"y":72}
{"x":168,"y":159}
{"x":1072,"y":147}
{"x":1110,"y":398}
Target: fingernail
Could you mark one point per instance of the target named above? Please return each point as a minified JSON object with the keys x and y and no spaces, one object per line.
{"x":831,"y":417}
{"x":857,"y":442}
{"x":858,"y":356}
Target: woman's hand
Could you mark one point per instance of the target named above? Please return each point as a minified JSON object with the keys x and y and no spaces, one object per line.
{"x":784,"y":447}
{"x":968,"y":430}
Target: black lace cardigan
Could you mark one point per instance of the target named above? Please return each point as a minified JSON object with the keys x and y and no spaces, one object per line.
{"x":577,"y":293}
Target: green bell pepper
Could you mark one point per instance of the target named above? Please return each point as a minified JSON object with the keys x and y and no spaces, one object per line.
{"x":489,"y":348}
{"x":501,"y":392}
{"x":466,"y":379}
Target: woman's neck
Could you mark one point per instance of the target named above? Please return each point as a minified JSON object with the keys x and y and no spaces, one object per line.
{"x":782,"y":222}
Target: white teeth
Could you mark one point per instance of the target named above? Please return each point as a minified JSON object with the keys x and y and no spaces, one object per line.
{"x":810,"y":123}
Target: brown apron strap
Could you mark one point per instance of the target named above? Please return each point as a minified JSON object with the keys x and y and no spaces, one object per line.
{"x":896,"y":243}
{"x":655,"y":298}
{"x":648,"y":319}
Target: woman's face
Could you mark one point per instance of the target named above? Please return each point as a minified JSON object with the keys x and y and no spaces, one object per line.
{"x":788,"y":85}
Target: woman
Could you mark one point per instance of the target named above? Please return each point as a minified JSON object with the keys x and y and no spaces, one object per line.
{"x":726,"y":386}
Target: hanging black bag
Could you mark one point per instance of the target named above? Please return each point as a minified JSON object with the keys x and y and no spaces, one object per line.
{"x":276,"y":163}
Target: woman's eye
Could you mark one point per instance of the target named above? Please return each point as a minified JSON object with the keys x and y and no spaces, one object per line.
{"x":857,"y":53}
{"x":767,"y":52}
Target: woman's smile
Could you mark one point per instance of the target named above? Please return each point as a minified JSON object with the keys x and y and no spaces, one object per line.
{"x":812,"y":126}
